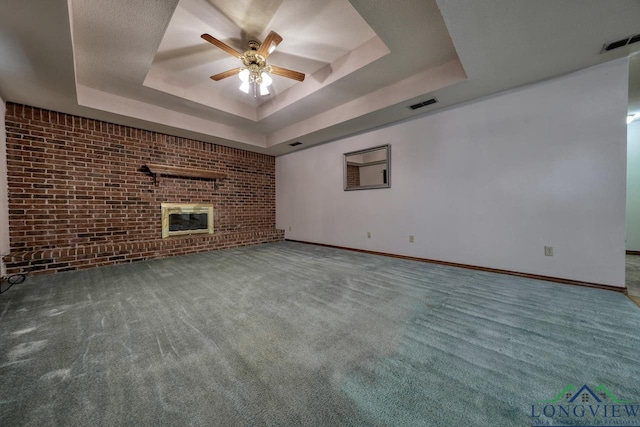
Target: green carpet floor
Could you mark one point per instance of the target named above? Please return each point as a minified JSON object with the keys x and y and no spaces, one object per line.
{"x":292,"y":334}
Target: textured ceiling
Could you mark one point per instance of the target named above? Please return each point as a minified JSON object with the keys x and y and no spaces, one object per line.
{"x":142,"y":63}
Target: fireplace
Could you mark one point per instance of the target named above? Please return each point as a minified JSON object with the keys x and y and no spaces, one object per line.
{"x":179,"y":219}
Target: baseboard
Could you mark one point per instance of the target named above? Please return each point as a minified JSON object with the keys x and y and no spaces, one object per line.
{"x":478,"y":268}
{"x":633,"y":252}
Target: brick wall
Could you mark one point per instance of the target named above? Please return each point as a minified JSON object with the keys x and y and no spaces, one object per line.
{"x":353,"y":176}
{"x":79,"y":196}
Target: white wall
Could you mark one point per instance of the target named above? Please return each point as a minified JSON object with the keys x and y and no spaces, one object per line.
{"x":4,"y":202}
{"x":372,"y":175}
{"x":633,"y":186}
{"x":488,"y":183}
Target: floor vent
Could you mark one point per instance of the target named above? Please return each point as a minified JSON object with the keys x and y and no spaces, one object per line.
{"x":621,"y":43}
{"x":423,"y":104}
{"x":293,"y":144}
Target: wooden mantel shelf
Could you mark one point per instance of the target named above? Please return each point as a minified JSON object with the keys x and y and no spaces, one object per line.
{"x":156,"y":169}
{"x":185,"y":172}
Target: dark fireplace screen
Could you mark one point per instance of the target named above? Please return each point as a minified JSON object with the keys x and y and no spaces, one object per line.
{"x":188,"y":221}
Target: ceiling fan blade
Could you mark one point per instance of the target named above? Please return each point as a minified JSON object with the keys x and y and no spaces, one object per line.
{"x":214,"y":41}
{"x":269,"y":44}
{"x":285,"y":72}
{"x":226,"y":74}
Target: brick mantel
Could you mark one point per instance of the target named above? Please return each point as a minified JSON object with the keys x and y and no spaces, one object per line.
{"x":78,"y":197}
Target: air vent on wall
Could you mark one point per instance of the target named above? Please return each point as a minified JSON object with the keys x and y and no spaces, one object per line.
{"x":293,"y":144}
{"x":423,"y":104}
{"x":620,"y":43}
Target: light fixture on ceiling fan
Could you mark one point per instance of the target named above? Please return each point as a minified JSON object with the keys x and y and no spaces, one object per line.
{"x":255,"y":72}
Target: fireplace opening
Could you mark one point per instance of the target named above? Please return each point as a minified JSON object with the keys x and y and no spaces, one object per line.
{"x":192,"y":221}
{"x":180,"y":219}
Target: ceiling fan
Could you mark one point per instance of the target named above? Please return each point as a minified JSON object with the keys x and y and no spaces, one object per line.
{"x":256,"y":70}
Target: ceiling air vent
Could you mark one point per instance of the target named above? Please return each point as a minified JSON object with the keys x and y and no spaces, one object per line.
{"x":620,"y":43}
{"x":423,"y":104}
{"x":293,"y":144}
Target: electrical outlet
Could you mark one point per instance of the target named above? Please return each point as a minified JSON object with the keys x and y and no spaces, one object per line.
{"x":411,"y":238}
{"x":289,"y":228}
{"x":548,"y":251}
{"x":368,"y":234}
